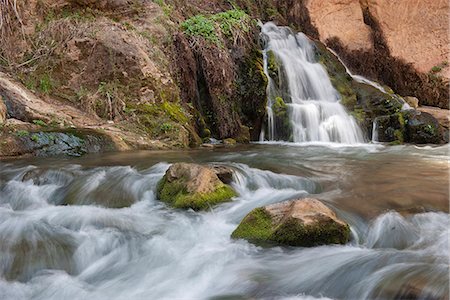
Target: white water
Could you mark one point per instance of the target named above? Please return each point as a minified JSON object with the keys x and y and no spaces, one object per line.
{"x":314,"y":111}
{"x":150,"y":251}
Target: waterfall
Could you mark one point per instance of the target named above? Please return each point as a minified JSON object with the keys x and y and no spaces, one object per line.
{"x":302,"y":104}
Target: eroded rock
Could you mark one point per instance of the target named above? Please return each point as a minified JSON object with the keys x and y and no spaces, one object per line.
{"x":302,"y":222}
{"x":193,"y":186}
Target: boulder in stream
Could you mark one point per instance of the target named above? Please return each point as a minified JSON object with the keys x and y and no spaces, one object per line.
{"x":193,"y":186}
{"x":302,"y":222}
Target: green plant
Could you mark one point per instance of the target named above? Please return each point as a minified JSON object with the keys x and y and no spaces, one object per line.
{"x":166,"y":127}
{"x":45,"y":84}
{"x":22,"y":133}
{"x":436,"y":69}
{"x":226,"y":23}
{"x":200,"y":26}
{"x":35,"y":138}
{"x":40,"y":123}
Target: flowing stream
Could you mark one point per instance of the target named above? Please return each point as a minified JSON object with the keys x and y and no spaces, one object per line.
{"x":394,"y":198}
{"x":315,"y":114}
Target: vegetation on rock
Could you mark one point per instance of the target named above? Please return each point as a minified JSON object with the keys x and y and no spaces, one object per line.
{"x":193,"y":186}
{"x":303,"y":222}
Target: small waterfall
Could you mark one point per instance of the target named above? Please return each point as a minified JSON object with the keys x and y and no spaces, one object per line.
{"x":302,"y":104}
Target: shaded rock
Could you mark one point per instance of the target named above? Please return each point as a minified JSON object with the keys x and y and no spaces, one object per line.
{"x":442,"y":116}
{"x":193,"y":186}
{"x":302,"y":222}
{"x":421,"y":128}
{"x":389,"y":128}
{"x":224,"y":173}
{"x":422,"y":42}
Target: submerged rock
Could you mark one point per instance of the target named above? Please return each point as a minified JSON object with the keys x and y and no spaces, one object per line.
{"x":301,"y":222}
{"x":193,"y":186}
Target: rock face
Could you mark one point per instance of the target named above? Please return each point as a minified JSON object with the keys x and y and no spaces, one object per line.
{"x":415,"y":30}
{"x":193,"y":186}
{"x":302,"y":222}
{"x":403,"y":44}
{"x":342,"y":19}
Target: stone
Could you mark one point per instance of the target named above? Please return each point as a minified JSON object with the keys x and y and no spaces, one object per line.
{"x":412,"y":101}
{"x":302,"y":222}
{"x":193,"y":186}
{"x":229,"y":142}
{"x":342,"y":19}
{"x":421,"y":128}
{"x":224,"y":173}
{"x":389,"y":128}
{"x":3,"y":111}
{"x":415,"y":31}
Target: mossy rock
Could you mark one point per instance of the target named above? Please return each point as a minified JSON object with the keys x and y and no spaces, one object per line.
{"x":302,"y":222}
{"x":273,"y":66}
{"x":390,"y":128}
{"x":193,"y":186}
{"x":421,"y":127}
{"x":281,"y":119}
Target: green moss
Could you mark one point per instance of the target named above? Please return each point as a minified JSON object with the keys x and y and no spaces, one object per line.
{"x":273,"y":66}
{"x":229,"y":141}
{"x":256,"y":226}
{"x":294,"y":233}
{"x":175,"y":194}
{"x":279,"y":107}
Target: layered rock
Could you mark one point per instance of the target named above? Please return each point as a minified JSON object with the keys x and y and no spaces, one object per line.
{"x":302,"y":222}
{"x":193,"y":186}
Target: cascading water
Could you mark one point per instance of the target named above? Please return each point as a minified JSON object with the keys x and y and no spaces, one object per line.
{"x":300,"y":90}
{"x":92,"y":249}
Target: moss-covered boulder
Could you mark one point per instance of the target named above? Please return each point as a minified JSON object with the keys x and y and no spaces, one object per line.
{"x":421,"y":128}
{"x":302,"y":222}
{"x":193,"y":186}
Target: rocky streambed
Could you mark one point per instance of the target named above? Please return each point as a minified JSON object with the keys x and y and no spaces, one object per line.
{"x":88,"y":228}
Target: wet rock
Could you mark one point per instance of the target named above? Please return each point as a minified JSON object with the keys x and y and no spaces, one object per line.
{"x":389,"y":128}
{"x":224,"y":173}
{"x":193,"y":186}
{"x":302,"y":222}
{"x":412,"y":101}
{"x":28,"y":247}
{"x":421,"y":128}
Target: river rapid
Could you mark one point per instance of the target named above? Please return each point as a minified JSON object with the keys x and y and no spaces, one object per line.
{"x":395,"y":199}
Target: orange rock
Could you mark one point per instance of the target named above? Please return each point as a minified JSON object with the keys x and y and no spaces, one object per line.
{"x":342,"y":19}
{"x":415,"y":30}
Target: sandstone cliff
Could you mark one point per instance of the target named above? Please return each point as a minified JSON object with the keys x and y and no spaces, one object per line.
{"x":402,"y":43}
